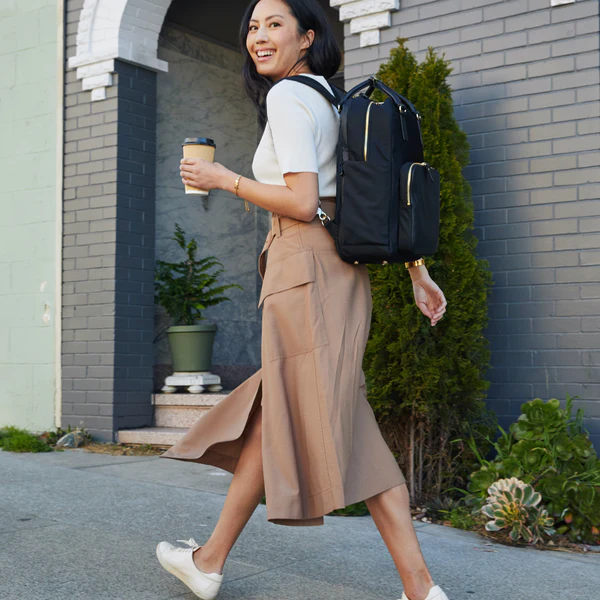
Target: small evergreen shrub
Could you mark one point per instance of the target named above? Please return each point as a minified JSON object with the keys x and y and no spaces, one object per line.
{"x":186,"y":288}
{"x":426,"y":384}
{"x":550,"y":450}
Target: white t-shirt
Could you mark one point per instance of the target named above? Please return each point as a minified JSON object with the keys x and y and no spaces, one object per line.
{"x":300,"y":135}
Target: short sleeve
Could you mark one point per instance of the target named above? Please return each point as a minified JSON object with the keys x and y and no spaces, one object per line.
{"x":293,"y":129}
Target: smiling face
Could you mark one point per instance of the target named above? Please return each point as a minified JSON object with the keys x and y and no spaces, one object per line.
{"x":274,"y":42}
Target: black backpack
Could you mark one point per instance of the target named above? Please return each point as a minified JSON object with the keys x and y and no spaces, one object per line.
{"x":387,"y":197}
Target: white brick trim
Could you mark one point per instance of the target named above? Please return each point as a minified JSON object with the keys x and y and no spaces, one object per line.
{"x":369,"y":38}
{"x":123,"y":29}
{"x":366,"y":17}
{"x":129,"y":29}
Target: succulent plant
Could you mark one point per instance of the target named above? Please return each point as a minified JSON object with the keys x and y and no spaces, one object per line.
{"x":550,"y":450}
{"x":440,"y":507}
{"x":513,"y":504}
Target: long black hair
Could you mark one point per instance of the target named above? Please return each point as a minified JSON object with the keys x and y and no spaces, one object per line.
{"x":323,"y":57}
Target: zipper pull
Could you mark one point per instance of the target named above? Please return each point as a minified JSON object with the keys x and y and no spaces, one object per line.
{"x":429,"y":167}
{"x":401,"y":109}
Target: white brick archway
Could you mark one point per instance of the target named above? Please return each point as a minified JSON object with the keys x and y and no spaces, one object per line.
{"x":128,"y":30}
{"x":117,"y":29}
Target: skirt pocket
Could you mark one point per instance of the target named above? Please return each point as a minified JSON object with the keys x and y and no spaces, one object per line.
{"x":292,"y":320}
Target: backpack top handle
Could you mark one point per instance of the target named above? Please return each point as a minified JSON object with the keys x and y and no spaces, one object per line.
{"x":373,"y":83}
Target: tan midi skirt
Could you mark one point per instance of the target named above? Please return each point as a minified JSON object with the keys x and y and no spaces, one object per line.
{"x":321,"y":445}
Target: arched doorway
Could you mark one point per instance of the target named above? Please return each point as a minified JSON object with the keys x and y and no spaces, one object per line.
{"x":136,"y":85}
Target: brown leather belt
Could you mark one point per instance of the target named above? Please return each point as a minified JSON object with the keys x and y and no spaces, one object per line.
{"x":279,"y":223}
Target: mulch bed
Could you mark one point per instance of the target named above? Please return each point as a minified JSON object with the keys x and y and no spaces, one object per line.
{"x":122,"y":449}
{"x":559,"y":543}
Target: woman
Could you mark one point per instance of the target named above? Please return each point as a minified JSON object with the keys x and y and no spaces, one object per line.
{"x":300,"y":430}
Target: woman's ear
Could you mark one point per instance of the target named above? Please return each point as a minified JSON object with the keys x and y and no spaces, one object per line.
{"x":309,"y":39}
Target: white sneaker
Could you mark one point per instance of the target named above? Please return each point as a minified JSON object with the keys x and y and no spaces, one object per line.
{"x":435,"y":593}
{"x":180,"y":562}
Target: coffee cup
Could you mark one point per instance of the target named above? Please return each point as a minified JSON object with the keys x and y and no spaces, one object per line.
{"x":198,"y":148}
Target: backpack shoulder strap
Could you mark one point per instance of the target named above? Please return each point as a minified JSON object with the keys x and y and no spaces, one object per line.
{"x":318,"y":87}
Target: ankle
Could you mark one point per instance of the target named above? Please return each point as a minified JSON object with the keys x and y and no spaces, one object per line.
{"x":205,"y":559}
{"x":418,"y":590}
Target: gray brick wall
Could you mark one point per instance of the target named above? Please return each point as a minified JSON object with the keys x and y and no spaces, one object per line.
{"x":108,"y":249}
{"x":525,"y":85}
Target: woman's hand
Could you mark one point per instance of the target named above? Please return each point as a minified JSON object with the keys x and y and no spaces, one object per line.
{"x":429,"y":297}
{"x":203,"y":174}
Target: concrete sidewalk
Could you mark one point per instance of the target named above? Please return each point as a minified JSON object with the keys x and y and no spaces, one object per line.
{"x":85,"y":526}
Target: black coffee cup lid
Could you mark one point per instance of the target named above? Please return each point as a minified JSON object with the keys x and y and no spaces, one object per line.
{"x":204,"y":141}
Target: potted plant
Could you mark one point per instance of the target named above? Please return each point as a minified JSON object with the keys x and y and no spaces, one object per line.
{"x":184,"y":290}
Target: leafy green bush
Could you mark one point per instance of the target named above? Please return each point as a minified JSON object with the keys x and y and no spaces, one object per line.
{"x":425,"y":383}
{"x":513,"y":504}
{"x":549,"y":449}
{"x":461,"y":518}
{"x":14,"y":439}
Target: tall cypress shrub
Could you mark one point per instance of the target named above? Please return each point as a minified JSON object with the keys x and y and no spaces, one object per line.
{"x":427,"y":384}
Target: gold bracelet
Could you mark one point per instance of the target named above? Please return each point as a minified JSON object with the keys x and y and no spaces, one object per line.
{"x":237,"y":183}
{"x":414,"y":263}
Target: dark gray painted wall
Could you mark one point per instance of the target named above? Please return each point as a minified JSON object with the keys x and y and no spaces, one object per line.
{"x":525,"y":86}
{"x":108,"y":246}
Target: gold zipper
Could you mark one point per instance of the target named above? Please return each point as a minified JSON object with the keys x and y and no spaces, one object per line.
{"x":367,"y":124}
{"x":410,"y":170}
{"x":367,"y":127}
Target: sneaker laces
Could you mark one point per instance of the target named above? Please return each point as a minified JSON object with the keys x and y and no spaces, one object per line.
{"x":193,"y":545}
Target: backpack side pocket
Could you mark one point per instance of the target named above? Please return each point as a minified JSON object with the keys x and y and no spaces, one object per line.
{"x":419,"y":208}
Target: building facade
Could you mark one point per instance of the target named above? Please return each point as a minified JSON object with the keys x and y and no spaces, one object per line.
{"x":140,"y":75}
{"x":31,"y":158}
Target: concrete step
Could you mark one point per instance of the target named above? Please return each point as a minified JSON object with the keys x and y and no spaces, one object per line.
{"x":178,"y":416}
{"x":157,"y":436}
{"x":174,"y":414}
{"x":183,"y":410}
{"x":205,"y":399}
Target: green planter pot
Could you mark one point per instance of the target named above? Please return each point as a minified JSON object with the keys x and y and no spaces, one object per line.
{"x":191,"y":347}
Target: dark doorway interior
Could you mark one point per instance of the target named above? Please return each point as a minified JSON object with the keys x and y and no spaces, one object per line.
{"x":210,"y":21}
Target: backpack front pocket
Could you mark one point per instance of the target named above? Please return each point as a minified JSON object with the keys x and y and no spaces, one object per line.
{"x":366,"y":216}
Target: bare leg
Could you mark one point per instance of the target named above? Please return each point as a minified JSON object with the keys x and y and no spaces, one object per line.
{"x":244,"y":494}
{"x":391,"y":512}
